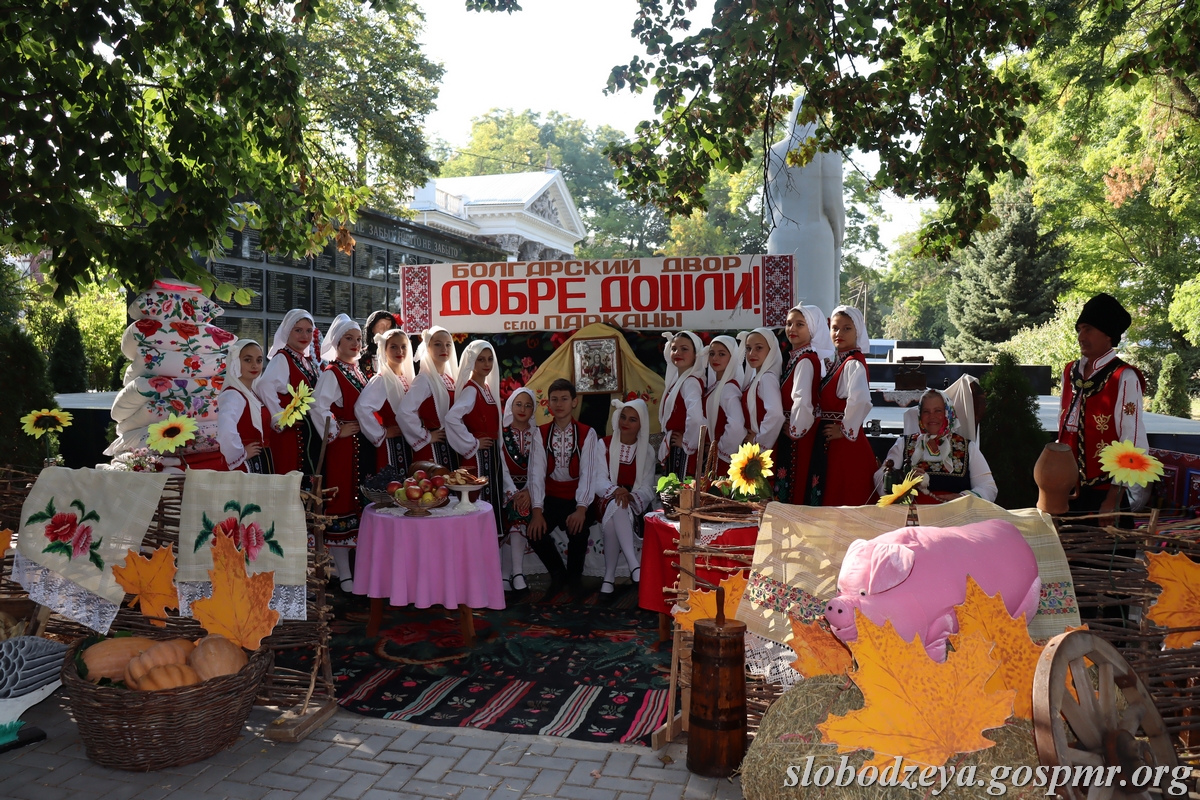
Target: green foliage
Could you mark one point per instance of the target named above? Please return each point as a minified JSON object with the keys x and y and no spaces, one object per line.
{"x":1184,"y":311}
{"x":12,"y":292}
{"x":1011,"y":437}
{"x":695,"y":235}
{"x":68,"y":361}
{"x":100,"y":313}
{"x":19,"y":356}
{"x":916,"y":286}
{"x":1053,"y":343}
{"x":1172,"y":397}
{"x":1008,"y":280}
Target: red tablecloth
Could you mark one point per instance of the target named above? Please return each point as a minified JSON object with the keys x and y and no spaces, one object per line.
{"x":661,"y":534}
{"x":435,"y":560}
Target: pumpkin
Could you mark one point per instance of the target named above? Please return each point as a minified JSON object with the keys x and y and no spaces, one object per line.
{"x":215,"y":656}
{"x":168,"y":676}
{"x":108,"y":659}
{"x":172,"y":651}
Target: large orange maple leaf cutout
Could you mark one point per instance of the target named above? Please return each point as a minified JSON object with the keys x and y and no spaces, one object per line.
{"x":915,"y":707}
{"x":5,"y":540}
{"x":238,"y":608}
{"x":702,"y":603}
{"x":818,"y":651}
{"x":1179,"y":604}
{"x":152,"y":580}
{"x":1018,"y":654}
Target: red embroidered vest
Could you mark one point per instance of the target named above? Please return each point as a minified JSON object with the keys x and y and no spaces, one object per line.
{"x":350,"y":392}
{"x":759,"y":407}
{"x":722,"y":422}
{"x":563,"y":490}
{"x":428,"y":410}
{"x":483,"y":420}
{"x":832,"y":406}
{"x":626,"y":473}
{"x":295,"y":376}
{"x":678,"y":419}
{"x":1097,"y":416}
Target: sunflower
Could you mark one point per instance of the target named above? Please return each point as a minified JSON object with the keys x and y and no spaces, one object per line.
{"x":749,"y":468}
{"x":1130,"y":465}
{"x":48,"y":420}
{"x":901,"y":491}
{"x":297,"y":407}
{"x":172,"y":433}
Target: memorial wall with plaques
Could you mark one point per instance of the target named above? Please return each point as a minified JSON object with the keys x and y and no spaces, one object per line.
{"x":331,"y":282}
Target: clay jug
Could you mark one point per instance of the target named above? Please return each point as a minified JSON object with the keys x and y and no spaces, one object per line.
{"x":1057,"y":477}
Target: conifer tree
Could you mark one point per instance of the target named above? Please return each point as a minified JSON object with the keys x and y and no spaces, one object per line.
{"x":30,"y":391}
{"x":1009,"y":280}
{"x":1172,"y":397}
{"x":1011,"y":436}
{"x":68,"y":360}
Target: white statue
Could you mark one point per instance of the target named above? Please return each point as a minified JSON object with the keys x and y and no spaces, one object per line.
{"x":808,"y":216}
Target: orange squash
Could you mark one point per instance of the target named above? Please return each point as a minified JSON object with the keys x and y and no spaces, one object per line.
{"x":109,"y":658}
{"x":172,"y":651}
{"x":215,"y":656}
{"x":168,"y":676}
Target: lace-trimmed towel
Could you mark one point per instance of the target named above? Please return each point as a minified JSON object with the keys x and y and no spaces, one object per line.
{"x":800,"y":548}
{"x":264,"y":515}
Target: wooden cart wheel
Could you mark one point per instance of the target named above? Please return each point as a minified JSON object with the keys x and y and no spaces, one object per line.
{"x":1093,"y":731}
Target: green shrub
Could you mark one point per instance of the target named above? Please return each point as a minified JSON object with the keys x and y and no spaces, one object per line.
{"x":1172,"y":397}
{"x":19,"y":356}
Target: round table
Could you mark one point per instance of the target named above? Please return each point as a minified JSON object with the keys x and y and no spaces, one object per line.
{"x":444,"y":559}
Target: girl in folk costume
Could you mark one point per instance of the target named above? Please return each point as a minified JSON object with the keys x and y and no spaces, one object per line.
{"x":846,"y":478}
{"x":473,"y":423}
{"x":624,"y":484}
{"x":348,"y":456}
{"x":812,"y":352}
{"x":949,"y":464}
{"x":723,"y":398}
{"x":681,"y":412}
{"x":242,"y":419}
{"x":423,"y":411}
{"x":379,"y":404}
{"x":292,"y":361}
{"x":379,"y":322}
{"x":761,"y":402}
{"x":518,"y":457}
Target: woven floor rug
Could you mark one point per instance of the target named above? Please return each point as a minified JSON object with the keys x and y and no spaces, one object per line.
{"x":579,"y":671}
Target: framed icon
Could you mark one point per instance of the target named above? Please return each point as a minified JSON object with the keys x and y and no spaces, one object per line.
{"x":596,"y":365}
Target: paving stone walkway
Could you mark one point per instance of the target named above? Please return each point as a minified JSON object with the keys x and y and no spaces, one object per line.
{"x":357,"y":758}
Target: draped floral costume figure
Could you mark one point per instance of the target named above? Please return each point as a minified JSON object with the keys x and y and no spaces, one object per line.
{"x":681,"y":413}
{"x":846,"y":478}
{"x":475,"y":420}
{"x":423,"y":411}
{"x":380,"y":402}
{"x":242,"y":420}
{"x":812,"y":353}
{"x":291,"y":362}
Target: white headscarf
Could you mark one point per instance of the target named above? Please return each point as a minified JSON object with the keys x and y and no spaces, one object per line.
{"x":233,"y":380}
{"x":862,"y":340}
{"x":285,"y":330}
{"x":391,"y":382}
{"x":342,"y":324}
{"x":735,"y":371}
{"x":645,"y":464}
{"x":466,"y":366}
{"x":508,"y":405}
{"x":822,"y":342}
{"x":437,"y":387}
{"x":673,"y":380}
{"x":773,"y":363}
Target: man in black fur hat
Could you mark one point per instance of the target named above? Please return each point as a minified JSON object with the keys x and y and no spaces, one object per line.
{"x":1101,"y":404}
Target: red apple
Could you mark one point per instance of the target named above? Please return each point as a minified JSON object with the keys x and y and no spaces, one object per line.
{"x":441,"y":493}
{"x":419,"y":475}
{"x":438,"y":481}
{"x":413,"y":492}
{"x":394,"y":487}
{"x":425,"y":485}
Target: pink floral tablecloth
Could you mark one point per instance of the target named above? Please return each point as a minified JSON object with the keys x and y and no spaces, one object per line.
{"x":438,"y":560}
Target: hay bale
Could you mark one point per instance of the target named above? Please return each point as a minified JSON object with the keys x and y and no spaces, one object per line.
{"x":789,"y":735}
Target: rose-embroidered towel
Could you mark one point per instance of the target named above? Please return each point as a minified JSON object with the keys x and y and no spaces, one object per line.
{"x":79,"y":522}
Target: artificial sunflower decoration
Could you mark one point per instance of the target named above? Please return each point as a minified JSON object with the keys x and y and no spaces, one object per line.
{"x":749,"y":469}
{"x":48,"y":420}
{"x":902,"y":492}
{"x":297,"y":407}
{"x":1130,"y":465}
{"x":171,"y":434}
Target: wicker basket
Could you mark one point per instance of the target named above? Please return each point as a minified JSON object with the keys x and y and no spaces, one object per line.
{"x":146,"y":731}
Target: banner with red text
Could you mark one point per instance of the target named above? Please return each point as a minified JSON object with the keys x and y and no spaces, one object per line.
{"x":689,"y":292}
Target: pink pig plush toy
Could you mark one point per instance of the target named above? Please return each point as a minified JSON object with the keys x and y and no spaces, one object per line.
{"x":915,"y":576}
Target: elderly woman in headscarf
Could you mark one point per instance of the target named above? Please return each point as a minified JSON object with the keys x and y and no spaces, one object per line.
{"x":348,"y":456}
{"x":949,"y":464}
{"x":812,"y":352}
{"x":242,"y":420}
{"x":377,"y":323}
{"x":474,"y":421}
{"x":681,"y":413}
{"x":291,"y":361}
{"x":723,"y":398}
{"x":846,"y":478}
{"x":519,"y":456}
{"x":624,"y":483}
{"x":379,"y":404}
{"x":423,"y":411}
